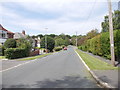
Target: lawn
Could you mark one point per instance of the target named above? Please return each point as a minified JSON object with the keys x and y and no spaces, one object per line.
{"x":34,"y":57}
{"x":94,"y":63}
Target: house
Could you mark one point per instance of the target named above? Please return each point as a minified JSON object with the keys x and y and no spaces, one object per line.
{"x":18,"y":35}
{"x":5,"y":34}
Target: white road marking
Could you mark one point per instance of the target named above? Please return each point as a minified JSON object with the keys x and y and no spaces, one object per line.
{"x":17,"y":65}
{"x":22,"y":64}
{"x":83,"y":61}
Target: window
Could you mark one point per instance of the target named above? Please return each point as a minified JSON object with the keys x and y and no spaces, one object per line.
{"x":3,"y":34}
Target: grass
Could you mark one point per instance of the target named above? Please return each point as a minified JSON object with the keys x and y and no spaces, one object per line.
{"x":34,"y":57}
{"x":2,"y":57}
{"x":94,"y":63}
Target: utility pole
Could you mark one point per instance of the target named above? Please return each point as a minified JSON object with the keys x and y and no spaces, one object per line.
{"x":76,"y":39}
{"x":111,"y":33}
{"x":46,"y":40}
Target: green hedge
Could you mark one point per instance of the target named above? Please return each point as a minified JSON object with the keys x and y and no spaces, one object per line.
{"x":2,"y":50}
{"x":57,"y":48}
{"x":10,"y":43}
{"x":100,"y":45}
{"x":13,"y":53}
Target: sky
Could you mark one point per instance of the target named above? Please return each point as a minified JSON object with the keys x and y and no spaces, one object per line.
{"x":54,"y":16}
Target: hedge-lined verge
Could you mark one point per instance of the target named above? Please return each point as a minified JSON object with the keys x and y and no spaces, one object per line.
{"x":100,"y":45}
{"x":95,"y":63}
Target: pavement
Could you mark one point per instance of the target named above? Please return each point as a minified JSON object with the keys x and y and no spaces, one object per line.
{"x":111,"y":77}
{"x":60,"y":70}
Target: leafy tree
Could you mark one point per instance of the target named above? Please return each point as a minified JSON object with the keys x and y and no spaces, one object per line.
{"x":40,"y":35}
{"x":10,"y":43}
{"x":59,"y":42}
{"x":52,"y":35}
{"x":34,"y":36}
{"x":66,"y":41}
{"x":68,"y":36}
{"x":50,"y":43}
{"x":92,"y":34}
{"x":63,"y":36}
{"x":116,"y":22}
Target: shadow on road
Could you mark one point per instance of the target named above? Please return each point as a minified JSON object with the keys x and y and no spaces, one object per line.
{"x":66,"y":82}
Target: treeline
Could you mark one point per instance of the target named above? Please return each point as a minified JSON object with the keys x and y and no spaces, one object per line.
{"x":54,"y":42}
{"x":99,"y":43}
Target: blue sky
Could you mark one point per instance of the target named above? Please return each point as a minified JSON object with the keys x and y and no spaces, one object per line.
{"x":59,"y":16}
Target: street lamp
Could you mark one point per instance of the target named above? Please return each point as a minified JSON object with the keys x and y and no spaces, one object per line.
{"x":46,"y":40}
{"x":76,"y":39}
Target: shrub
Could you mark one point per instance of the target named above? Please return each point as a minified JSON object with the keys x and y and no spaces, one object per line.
{"x":13,"y":53}
{"x":57,"y":48}
{"x":0,"y":50}
{"x":23,"y":43}
{"x":117,"y":45}
{"x":105,"y":44}
{"x":10,"y":43}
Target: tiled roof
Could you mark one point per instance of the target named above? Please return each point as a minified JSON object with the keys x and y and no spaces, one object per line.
{"x":2,"y":28}
{"x":19,"y":35}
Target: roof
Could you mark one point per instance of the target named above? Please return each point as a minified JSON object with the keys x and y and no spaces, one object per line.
{"x":19,"y":35}
{"x":2,"y":28}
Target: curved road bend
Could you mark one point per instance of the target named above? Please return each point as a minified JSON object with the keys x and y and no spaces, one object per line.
{"x":60,"y":70}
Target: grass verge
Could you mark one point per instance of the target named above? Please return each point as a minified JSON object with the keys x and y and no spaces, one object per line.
{"x":34,"y":57}
{"x":2,"y":57}
{"x":94,"y":63}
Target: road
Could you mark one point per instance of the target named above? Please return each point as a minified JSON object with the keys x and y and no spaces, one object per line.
{"x":60,"y":70}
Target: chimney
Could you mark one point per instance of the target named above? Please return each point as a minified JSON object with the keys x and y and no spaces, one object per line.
{"x":23,"y":32}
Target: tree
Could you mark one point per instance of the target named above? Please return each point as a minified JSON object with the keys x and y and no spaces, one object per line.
{"x":66,"y":41}
{"x":10,"y":43}
{"x":116,"y":22}
{"x":50,"y":43}
{"x":52,"y":35}
{"x":59,"y":42}
{"x":40,"y":35}
{"x":68,"y":36}
{"x":62,"y":36}
{"x":92,"y":34}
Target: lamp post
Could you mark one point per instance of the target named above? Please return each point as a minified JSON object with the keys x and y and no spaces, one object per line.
{"x":46,"y":40}
{"x":76,"y":39}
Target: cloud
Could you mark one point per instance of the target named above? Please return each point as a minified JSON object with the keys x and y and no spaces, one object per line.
{"x":59,"y":16}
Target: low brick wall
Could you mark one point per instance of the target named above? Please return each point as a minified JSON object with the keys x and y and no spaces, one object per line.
{"x":36,"y":52}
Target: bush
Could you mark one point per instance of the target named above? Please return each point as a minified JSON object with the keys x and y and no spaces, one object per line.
{"x":13,"y":53}
{"x":23,"y":43}
{"x":57,"y":48}
{"x":10,"y":43}
{"x":0,"y":50}
{"x":117,"y":45}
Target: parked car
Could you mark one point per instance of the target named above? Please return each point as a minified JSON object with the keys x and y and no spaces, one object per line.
{"x":65,"y":48}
